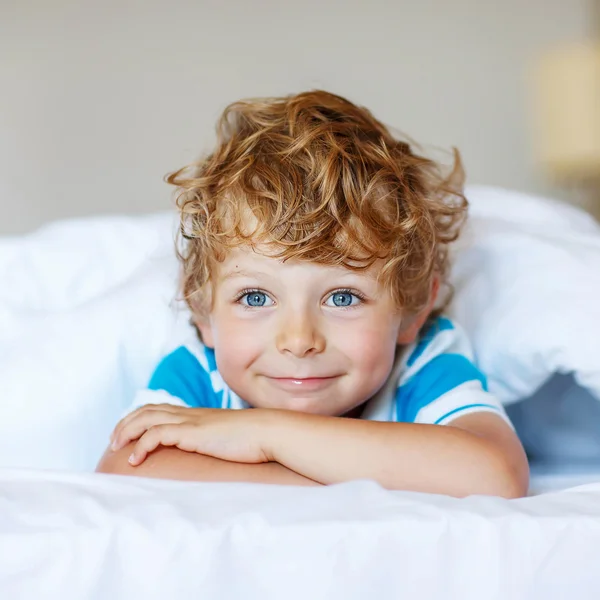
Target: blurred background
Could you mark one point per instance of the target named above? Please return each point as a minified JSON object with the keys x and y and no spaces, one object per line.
{"x":100,"y":99}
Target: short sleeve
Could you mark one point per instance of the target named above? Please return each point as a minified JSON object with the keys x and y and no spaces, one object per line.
{"x":179,"y":379}
{"x":182,"y":375}
{"x":442,"y":382}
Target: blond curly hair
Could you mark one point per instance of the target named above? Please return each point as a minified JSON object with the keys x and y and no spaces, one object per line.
{"x":322,"y":180}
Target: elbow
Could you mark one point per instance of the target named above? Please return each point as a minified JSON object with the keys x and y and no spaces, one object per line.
{"x":511,"y":486}
{"x":504,"y":477}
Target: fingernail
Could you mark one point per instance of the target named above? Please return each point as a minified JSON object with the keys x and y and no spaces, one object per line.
{"x":131,"y":459}
{"x":114,"y":446}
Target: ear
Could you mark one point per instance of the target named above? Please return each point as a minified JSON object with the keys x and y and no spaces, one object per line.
{"x":206,"y":333}
{"x":410,"y":328}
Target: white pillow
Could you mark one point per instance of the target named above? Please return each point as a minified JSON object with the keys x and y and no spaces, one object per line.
{"x":527,"y":279}
{"x":87,"y":307}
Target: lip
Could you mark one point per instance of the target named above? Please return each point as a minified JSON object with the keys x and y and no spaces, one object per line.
{"x":303,"y":384}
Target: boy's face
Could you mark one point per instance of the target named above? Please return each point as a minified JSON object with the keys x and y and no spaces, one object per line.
{"x":302,"y":336}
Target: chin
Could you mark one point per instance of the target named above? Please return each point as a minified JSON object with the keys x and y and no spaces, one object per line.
{"x":308,"y":405}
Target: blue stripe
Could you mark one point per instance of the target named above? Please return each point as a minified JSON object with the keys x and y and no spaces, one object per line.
{"x":442,"y":374}
{"x":210,"y":359}
{"x":464,"y":408}
{"x":181,"y":375}
{"x":440,"y":324}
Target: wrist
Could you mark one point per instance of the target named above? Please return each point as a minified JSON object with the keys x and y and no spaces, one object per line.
{"x":274,"y":423}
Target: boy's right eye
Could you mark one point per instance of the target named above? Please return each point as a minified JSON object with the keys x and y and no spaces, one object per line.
{"x":255,"y":299}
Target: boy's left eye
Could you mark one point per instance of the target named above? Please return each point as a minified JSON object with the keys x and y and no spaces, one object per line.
{"x":343,"y":299}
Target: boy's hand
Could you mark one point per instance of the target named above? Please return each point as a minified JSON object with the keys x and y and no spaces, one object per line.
{"x":234,"y":435}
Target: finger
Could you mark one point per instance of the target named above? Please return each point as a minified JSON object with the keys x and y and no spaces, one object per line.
{"x":158,"y":435}
{"x":127,"y":418}
{"x":136,"y":425}
{"x":134,"y":414}
{"x":144,"y":421}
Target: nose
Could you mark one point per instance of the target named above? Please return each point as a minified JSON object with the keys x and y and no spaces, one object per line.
{"x":298,"y":334}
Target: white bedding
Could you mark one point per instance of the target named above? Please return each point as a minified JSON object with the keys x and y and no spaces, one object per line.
{"x":86,"y":310}
{"x":71,"y":537}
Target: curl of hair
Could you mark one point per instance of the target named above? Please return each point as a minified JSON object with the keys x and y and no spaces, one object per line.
{"x":318,"y":179}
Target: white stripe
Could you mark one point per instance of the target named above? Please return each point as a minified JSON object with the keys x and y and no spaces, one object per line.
{"x":236,"y":402}
{"x":475,"y":409}
{"x":461,"y":396}
{"x":197,"y":350}
{"x":143,"y":397}
{"x":224,"y":396}
{"x":218,"y":384}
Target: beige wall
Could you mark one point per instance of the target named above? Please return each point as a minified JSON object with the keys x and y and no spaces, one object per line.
{"x":100,"y":99}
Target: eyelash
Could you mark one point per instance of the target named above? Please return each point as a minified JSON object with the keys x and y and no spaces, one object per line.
{"x":245,"y":292}
{"x":356,"y":293}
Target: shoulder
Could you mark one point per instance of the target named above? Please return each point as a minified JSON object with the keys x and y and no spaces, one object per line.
{"x":440,"y":337}
{"x":439,"y":379}
{"x":192,"y":354}
{"x":189,"y":372}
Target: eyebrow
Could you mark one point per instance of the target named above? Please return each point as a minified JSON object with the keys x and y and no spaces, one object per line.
{"x":242,"y":273}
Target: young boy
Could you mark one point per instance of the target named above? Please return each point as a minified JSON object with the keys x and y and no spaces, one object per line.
{"x":315,"y":250}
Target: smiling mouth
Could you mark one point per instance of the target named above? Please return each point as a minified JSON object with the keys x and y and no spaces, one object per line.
{"x":303,"y":384}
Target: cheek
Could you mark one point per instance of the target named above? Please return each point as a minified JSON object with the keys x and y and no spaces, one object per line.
{"x":237,"y":344}
{"x":375,"y":355}
{"x":371,"y":347}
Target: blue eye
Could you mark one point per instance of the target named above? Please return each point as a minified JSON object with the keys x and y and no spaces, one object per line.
{"x":343,"y":299}
{"x":256,"y":299}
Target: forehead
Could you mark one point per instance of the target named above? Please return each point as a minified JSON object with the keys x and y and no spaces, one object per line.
{"x":262,"y":258}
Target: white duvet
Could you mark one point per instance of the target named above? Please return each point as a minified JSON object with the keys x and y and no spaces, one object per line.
{"x":98,"y":537}
{"x":86,"y":310}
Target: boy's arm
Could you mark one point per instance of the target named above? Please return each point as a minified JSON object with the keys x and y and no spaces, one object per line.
{"x":173,"y":463}
{"x":477,"y":454}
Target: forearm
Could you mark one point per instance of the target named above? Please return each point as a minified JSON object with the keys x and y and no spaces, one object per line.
{"x":172,"y":463}
{"x":401,"y":456}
